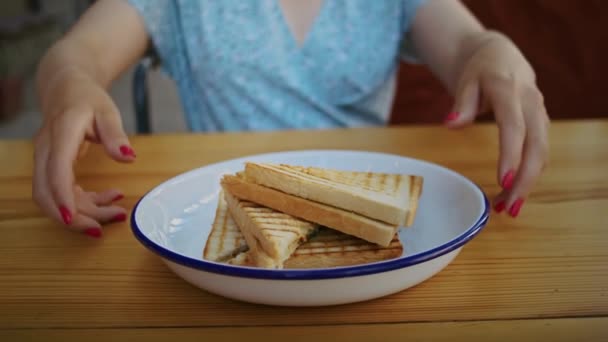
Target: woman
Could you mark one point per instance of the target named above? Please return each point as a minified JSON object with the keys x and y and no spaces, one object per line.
{"x":276,"y":64}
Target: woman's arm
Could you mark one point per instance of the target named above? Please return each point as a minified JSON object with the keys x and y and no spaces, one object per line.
{"x":105,"y":41}
{"x":480,"y":66}
{"x":445,"y":34}
{"x":72,"y":83}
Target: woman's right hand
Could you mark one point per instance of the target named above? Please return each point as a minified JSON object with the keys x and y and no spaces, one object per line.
{"x":77,"y":111}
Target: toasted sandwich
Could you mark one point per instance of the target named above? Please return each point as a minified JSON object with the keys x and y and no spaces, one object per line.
{"x":225,"y":239}
{"x":342,"y":220}
{"x":325,"y":248}
{"x":390,"y":198}
{"x":272,"y":236}
{"x":330,"y":248}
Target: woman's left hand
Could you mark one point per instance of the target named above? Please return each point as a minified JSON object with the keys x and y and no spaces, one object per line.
{"x":497,"y":75}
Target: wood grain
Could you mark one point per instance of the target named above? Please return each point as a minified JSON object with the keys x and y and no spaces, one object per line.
{"x":551,"y":262}
{"x":557,"y":330}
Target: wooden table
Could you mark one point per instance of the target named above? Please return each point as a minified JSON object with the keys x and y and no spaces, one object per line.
{"x":543,"y":276}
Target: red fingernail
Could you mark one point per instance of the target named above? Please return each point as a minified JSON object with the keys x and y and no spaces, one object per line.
{"x":94,"y":232}
{"x":507,"y":180}
{"x":127,"y":151}
{"x":516,"y":207}
{"x":452,"y":116}
{"x":499,"y":207}
{"x":119,"y":217}
{"x":118,"y":197}
{"x":66,"y":215}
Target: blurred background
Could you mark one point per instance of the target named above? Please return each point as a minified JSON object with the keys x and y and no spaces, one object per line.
{"x":27,"y":29}
{"x":565,"y":40}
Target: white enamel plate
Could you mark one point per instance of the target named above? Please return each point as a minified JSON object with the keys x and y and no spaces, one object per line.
{"x":174,"y":219}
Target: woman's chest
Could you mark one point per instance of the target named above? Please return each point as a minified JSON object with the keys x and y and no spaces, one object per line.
{"x":348,"y":47}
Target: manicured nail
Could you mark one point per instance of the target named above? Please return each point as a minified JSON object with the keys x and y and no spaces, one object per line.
{"x":94,"y":232}
{"x":118,"y":197}
{"x":452,"y":116}
{"x":66,"y":215}
{"x":499,"y":207}
{"x":507,"y":180}
{"x":516,"y":207}
{"x":119,"y":217}
{"x":127,"y":151}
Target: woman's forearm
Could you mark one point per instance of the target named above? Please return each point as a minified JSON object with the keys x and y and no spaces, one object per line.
{"x":445,"y":34}
{"x":106,"y":40}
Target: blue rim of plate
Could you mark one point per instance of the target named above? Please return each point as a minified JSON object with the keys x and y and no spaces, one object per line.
{"x":315,"y":274}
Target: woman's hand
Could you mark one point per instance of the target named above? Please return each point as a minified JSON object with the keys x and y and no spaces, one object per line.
{"x":71,"y":83}
{"x":77,"y":111}
{"x":498,"y":76}
{"x":484,"y":68}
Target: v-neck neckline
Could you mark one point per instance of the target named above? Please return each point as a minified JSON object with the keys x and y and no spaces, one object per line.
{"x":290,"y":36}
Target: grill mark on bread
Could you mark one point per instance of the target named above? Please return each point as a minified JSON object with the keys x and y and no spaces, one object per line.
{"x":281,"y":236}
{"x":329,"y":241}
{"x":398,"y":181}
{"x":276,"y":235}
{"x":415,"y":192}
{"x":279,"y":223}
{"x":281,"y":229}
{"x":352,"y":243}
{"x":223,"y":231}
{"x":365,"y":180}
{"x":341,"y":239}
{"x":382,"y":181}
{"x":345,"y":177}
{"x":342,"y":250}
{"x":346,"y":241}
{"x":225,"y":239}
{"x":276,"y":217}
{"x":238,"y":239}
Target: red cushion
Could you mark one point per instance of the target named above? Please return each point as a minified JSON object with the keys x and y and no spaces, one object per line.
{"x":565,"y":40}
